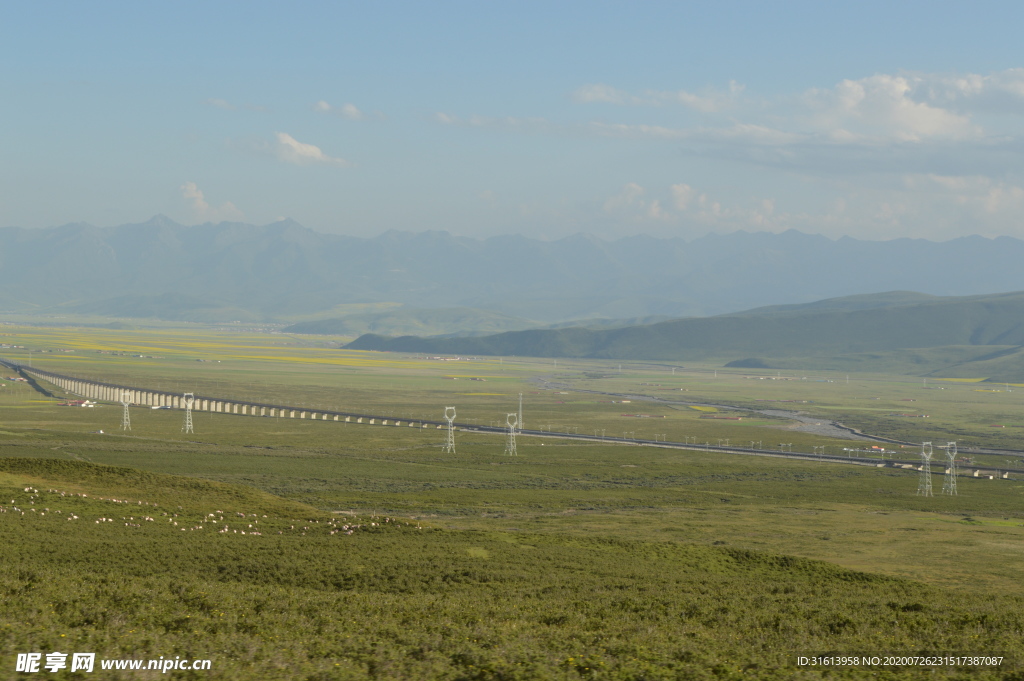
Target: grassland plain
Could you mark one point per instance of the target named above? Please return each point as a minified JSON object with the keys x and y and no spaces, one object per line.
{"x":556,"y":494}
{"x":303,"y":371}
{"x":909,"y":408}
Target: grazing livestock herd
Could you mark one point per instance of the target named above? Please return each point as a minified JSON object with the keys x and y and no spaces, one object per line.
{"x":238,"y":522}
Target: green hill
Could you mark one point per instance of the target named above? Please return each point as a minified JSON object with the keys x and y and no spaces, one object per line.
{"x":446,"y":321}
{"x":408,"y":321}
{"x":839,"y":326}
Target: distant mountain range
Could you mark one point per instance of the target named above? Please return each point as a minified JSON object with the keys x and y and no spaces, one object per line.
{"x":433,"y":283}
{"x":835,"y":333}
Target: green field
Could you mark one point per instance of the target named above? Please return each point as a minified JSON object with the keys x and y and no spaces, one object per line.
{"x":573,"y":559}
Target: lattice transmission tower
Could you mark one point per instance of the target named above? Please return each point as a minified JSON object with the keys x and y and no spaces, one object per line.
{"x":449,"y":444}
{"x":188,"y":399}
{"x":519,"y":417}
{"x":924,"y":485}
{"x":126,"y":419}
{"x":510,"y":442}
{"x":949,"y":482}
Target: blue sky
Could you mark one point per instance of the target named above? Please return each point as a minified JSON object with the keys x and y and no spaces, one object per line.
{"x":545,"y":119}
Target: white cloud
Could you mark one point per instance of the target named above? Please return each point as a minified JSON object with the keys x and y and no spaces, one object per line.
{"x":697,"y":102}
{"x":637,"y":130}
{"x":351,"y":112}
{"x":999,"y":92}
{"x":290,"y":150}
{"x":228,"y":106}
{"x":710,"y":102}
{"x":878,"y":110}
{"x":202,"y":211}
{"x":882,"y":123}
{"x":713,"y":101}
{"x":631,"y":195}
{"x":654,"y":210}
{"x":685,"y":209}
{"x":599,"y":92}
{"x":885,"y":155}
{"x":981,"y":195}
{"x":882,"y":108}
{"x":506,"y":122}
{"x":683,"y":196}
{"x":751,"y":133}
{"x":887,"y":117}
{"x":347,"y":110}
{"x":739,"y":133}
{"x":632,"y":205}
{"x":926,"y":206}
{"x":920,"y":205}
{"x":907,"y":122}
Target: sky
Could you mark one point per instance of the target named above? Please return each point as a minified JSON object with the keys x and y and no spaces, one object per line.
{"x":872,"y":120}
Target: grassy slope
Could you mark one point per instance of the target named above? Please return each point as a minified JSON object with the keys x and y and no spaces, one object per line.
{"x":394,"y":601}
{"x":169,"y":491}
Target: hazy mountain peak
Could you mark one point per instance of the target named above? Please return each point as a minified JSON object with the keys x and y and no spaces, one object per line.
{"x":158,"y":221}
{"x":286,"y":271}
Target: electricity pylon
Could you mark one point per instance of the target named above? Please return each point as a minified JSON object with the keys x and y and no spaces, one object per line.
{"x":188,"y":400}
{"x":924,"y":485}
{"x":126,"y":419}
{"x":949,"y":482}
{"x":449,"y":445}
{"x":510,"y":442}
